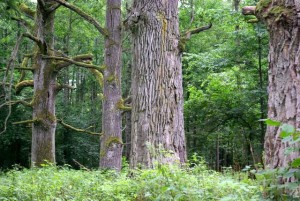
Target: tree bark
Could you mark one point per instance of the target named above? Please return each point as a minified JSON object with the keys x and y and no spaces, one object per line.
{"x":43,"y":128}
{"x":157,"y":95}
{"x":111,"y":141}
{"x":283,"y":20}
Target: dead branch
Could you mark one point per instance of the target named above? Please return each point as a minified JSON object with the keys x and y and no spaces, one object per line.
{"x":187,"y":34}
{"x":10,"y":68}
{"x":27,"y":11}
{"x":78,"y":58}
{"x":85,"y":16}
{"x":28,"y":55}
{"x":98,"y":75}
{"x":25,"y":103}
{"x":71,"y":61}
{"x":30,"y":121}
{"x":35,"y":39}
{"x":81,"y":166}
{"x":23,"y":84}
{"x":77,"y":129}
{"x":249,"y":10}
{"x":21,"y":68}
{"x":23,"y":22}
{"x":63,"y":86}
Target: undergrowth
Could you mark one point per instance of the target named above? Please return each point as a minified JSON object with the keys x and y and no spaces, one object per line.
{"x":161,"y":183}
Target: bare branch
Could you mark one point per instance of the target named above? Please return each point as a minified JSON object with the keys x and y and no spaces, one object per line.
{"x":35,"y":39}
{"x":249,"y":10}
{"x":64,"y":86}
{"x":28,"y":55}
{"x":23,"y":22}
{"x":98,"y":75}
{"x":10,"y":69}
{"x":23,"y":84}
{"x":188,"y":34}
{"x":81,"y":166}
{"x":31,"y":121}
{"x":77,"y":129}
{"x":84,"y":15}
{"x":71,"y":61}
{"x":25,"y":103}
{"x":27,"y":11}
{"x":21,"y":68}
{"x":79,"y":58}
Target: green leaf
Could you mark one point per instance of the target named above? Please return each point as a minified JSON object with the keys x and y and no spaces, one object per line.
{"x":296,"y":163}
{"x":271,"y":122}
{"x":287,"y":130}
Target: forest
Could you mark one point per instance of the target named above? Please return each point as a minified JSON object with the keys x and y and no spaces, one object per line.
{"x":149,"y":100}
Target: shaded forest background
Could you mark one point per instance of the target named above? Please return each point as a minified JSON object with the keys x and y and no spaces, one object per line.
{"x":225,"y":82}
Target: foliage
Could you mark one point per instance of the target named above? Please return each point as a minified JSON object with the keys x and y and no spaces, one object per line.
{"x":161,"y":183}
{"x":224,"y":97}
{"x":281,"y":183}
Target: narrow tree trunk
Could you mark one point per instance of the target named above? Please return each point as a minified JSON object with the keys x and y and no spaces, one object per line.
{"x":261,"y":98}
{"x":111,"y":141}
{"x":217,"y":153}
{"x":43,"y":128}
{"x":282,"y":19}
{"x":157,"y":97}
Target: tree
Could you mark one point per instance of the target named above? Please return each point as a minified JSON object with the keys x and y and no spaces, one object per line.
{"x":111,"y":141}
{"x":46,"y":63}
{"x":281,"y":18}
{"x":157,"y":133}
{"x":113,"y":104}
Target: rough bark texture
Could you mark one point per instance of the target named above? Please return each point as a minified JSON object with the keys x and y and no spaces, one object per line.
{"x":283,"y":21}
{"x":111,"y":141}
{"x":157,"y":97}
{"x":43,"y":128}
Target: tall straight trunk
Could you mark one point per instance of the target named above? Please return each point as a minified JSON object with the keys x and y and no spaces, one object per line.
{"x":261,"y":98}
{"x":157,"y":95}
{"x":43,"y":128}
{"x":111,"y":141}
{"x":282,"y":19}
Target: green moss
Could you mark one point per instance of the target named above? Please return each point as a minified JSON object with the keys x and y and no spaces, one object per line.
{"x":45,"y":115}
{"x":182,"y":44}
{"x":102,"y":153}
{"x":111,"y":78}
{"x":278,"y":11}
{"x":121,"y":106}
{"x":108,"y":143}
{"x":25,"y":9}
{"x":255,"y":20}
{"x":112,"y":140}
{"x":103,"y":67}
{"x":262,"y":4}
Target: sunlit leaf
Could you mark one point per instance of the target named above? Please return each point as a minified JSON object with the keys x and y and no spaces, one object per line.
{"x":287,"y":130}
{"x":296,"y":163}
{"x":271,"y":122}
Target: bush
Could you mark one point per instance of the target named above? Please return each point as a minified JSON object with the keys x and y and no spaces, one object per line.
{"x":161,"y":183}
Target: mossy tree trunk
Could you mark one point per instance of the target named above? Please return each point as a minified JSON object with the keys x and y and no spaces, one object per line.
{"x":157,"y":96}
{"x":283,"y":21}
{"x":111,"y":140}
{"x":44,"y":121}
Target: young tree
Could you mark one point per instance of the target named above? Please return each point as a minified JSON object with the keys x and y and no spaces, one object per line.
{"x":111,"y":140}
{"x":282,"y":20}
{"x":157,"y":133}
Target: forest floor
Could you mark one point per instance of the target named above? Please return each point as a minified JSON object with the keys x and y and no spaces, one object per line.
{"x":161,"y":183}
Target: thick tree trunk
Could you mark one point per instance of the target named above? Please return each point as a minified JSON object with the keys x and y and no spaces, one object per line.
{"x":111,"y":141}
{"x":283,"y":22}
{"x":43,"y":128}
{"x":157,"y":96}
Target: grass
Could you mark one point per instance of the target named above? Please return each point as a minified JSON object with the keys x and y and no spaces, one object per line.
{"x":161,"y":183}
